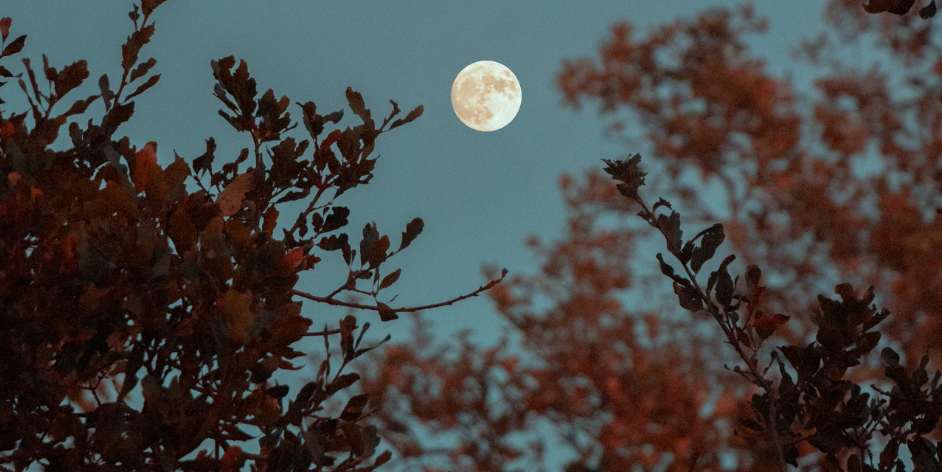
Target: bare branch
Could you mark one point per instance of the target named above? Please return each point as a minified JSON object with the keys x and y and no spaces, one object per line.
{"x":331,"y":301}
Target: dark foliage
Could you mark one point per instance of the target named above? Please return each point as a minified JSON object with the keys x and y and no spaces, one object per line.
{"x":116,"y":279}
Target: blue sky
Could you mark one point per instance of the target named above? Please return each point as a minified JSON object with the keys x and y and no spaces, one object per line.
{"x":480,"y":194}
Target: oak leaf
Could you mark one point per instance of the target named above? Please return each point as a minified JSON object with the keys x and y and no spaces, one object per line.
{"x":231,"y":198}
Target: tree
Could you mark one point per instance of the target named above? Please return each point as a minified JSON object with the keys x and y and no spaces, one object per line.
{"x":645,"y":387}
{"x":116,"y":279}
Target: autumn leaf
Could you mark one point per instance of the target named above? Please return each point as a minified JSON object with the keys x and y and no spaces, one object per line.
{"x":231,"y":198}
{"x":928,"y":11}
{"x":144,"y":161}
{"x":293,"y":257}
{"x":271,"y":220}
{"x":390,"y":279}
{"x":6,"y":130}
{"x":237,"y":307}
{"x":232,"y":459}
{"x":766,"y":325}
{"x":14,"y":46}
{"x":899,"y":7}
{"x":5,"y":27}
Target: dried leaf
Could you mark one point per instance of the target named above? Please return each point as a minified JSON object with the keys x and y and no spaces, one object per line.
{"x":712,"y":238}
{"x":5,"y":27}
{"x":765,"y":325}
{"x":354,"y":408}
{"x":142,"y":69}
{"x":390,"y":279}
{"x":146,"y":85}
{"x":899,"y":7}
{"x":231,"y":198}
{"x":415,"y":113}
{"x":928,"y":11}
{"x":106,"y":94}
{"x":14,"y":47}
{"x":386,"y":313}
{"x":413,"y":229}
{"x":144,"y":161}
{"x":355,"y":99}
{"x":70,"y":77}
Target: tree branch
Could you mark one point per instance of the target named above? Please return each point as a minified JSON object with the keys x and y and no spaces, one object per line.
{"x":331,"y":301}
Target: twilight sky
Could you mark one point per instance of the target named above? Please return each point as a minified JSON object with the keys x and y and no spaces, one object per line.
{"x":480,"y":194}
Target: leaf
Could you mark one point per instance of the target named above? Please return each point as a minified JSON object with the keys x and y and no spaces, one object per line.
{"x":382,"y":458}
{"x":205,"y":161}
{"x":142,"y":69}
{"x":146,"y":85}
{"x":232,"y":459}
{"x":231,"y":197}
{"x":293,"y":257}
{"x":238,"y":314}
{"x":342,"y":382}
{"x":106,"y":94}
{"x":688,"y":296}
{"x":14,"y":47}
{"x":724,"y":287}
{"x":134,"y":15}
{"x":148,"y":6}
{"x":335,"y":220}
{"x":132,"y":46}
{"x":668,"y":270}
{"x":354,"y":408}
{"x":899,"y":7}
{"x":144,"y":161}
{"x":5,"y":27}
{"x":333,"y":242}
{"x":712,"y":238}
{"x":661,"y":202}
{"x":386,"y":313}
{"x":370,"y":238}
{"x":867,"y":341}
{"x":890,"y":357}
{"x":415,"y":113}
{"x":765,"y":326}
{"x":628,"y":173}
{"x":413,"y":229}
{"x":278,"y":391}
{"x":390,"y":279}
{"x":80,"y":106}
{"x":118,"y":115}
{"x":271,"y":220}
{"x":853,"y":463}
{"x":928,"y":11}
{"x":355,"y":99}
{"x":753,"y":274}
{"x":670,"y":225}
{"x":150,"y":388}
{"x":71,"y":76}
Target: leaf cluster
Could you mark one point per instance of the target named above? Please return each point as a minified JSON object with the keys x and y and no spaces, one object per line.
{"x":116,"y":278}
{"x":820,"y":405}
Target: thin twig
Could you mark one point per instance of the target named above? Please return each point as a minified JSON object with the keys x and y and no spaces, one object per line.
{"x":331,"y":301}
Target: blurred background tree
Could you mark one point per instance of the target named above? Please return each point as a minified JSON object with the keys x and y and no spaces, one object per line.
{"x":829,"y":175}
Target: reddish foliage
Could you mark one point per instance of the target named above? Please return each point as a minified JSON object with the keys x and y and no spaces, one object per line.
{"x":629,"y":387}
{"x":119,"y":281}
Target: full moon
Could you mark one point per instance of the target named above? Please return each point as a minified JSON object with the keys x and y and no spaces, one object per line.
{"x":486,"y":96}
